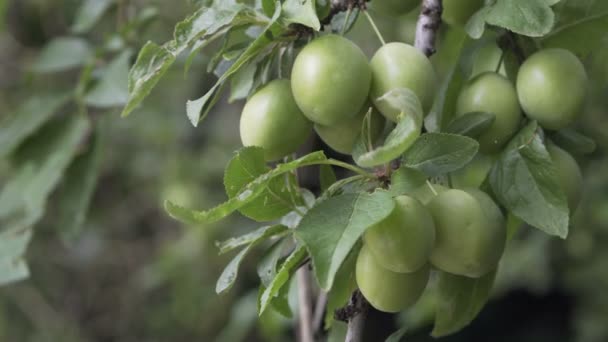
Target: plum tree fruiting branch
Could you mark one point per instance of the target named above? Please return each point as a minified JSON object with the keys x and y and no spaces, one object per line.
{"x":427,"y":26}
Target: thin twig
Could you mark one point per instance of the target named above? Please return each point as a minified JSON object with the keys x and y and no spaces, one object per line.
{"x":305,"y":305}
{"x":428,"y":24}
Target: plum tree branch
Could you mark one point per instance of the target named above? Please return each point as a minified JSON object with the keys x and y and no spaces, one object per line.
{"x":354,"y":313}
{"x":305,"y":307}
{"x":427,"y":26}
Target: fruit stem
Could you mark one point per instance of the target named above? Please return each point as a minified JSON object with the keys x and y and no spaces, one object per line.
{"x":347,"y":166}
{"x":346,"y":19}
{"x":432,"y":187}
{"x":373,"y":24}
{"x":500,"y":61}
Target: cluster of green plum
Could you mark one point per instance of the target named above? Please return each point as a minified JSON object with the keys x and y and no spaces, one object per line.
{"x":462,"y":232}
{"x":456,"y":231}
{"x":332,"y":88}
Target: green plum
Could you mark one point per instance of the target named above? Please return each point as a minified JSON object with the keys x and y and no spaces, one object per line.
{"x":492,"y":93}
{"x":552,"y":85}
{"x":330,"y":80}
{"x":403,"y":241}
{"x":470,"y":232}
{"x":458,"y":12}
{"x":399,"y":65}
{"x":272,"y":120}
{"x":568,"y":174}
{"x":386,"y":290}
{"x":342,"y":136}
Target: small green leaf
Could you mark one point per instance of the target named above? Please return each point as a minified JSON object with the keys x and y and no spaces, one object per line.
{"x":257,"y":235}
{"x":406,"y":180}
{"x":524,"y":180}
{"x":198,"y":29}
{"x":89,"y":13}
{"x":13,"y":243}
{"x":343,"y":287}
{"x":40,"y":163}
{"x":242,"y":82}
{"x":331,"y":229}
{"x":400,"y":138}
{"x":267,"y":267}
{"x":151,"y":64}
{"x":582,"y":36}
{"x":436,"y":154}
{"x":327,"y":177}
{"x":112,"y":90}
{"x":63,"y":53}
{"x":397,"y":336}
{"x":533,"y":18}
{"x":279,"y":197}
{"x":471,"y":124}
{"x":228,"y":276}
{"x":28,"y":117}
{"x":574,"y":141}
{"x":459,"y":301}
{"x":287,"y":269}
{"x":198,"y":109}
{"x":230,"y":273}
{"x":244,"y":197}
{"x":477,"y":23}
{"x":301,"y":12}
{"x":80,"y":180}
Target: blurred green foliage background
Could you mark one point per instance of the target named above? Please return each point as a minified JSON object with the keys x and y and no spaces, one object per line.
{"x":129,"y":273}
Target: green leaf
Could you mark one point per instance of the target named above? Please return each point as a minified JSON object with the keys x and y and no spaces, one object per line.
{"x":230,"y":273}
{"x":436,"y":154}
{"x":582,"y":36}
{"x":151,"y":64}
{"x":13,"y":243}
{"x":245,"y":196}
{"x":343,"y":287}
{"x":257,"y":235}
{"x":30,"y":115}
{"x":80,"y":181}
{"x":23,"y":197}
{"x":533,"y":18}
{"x":275,"y":201}
{"x":406,"y":180}
{"x":287,"y":269}
{"x":477,"y":23}
{"x":198,"y":109}
{"x":400,"y":138}
{"x":242,"y":82}
{"x":331,"y":229}
{"x":471,"y":124}
{"x":327,"y":177}
{"x":89,"y":13}
{"x":63,"y":53}
{"x":573,"y":141}
{"x":228,"y":276}
{"x":524,"y":180}
{"x":112,"y":90}
{"x":267,"y":267}
{"x":199,"y":28}
{"x":459,"y":301}
{"x":397,"y":336}
{"x":301,"y":12}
